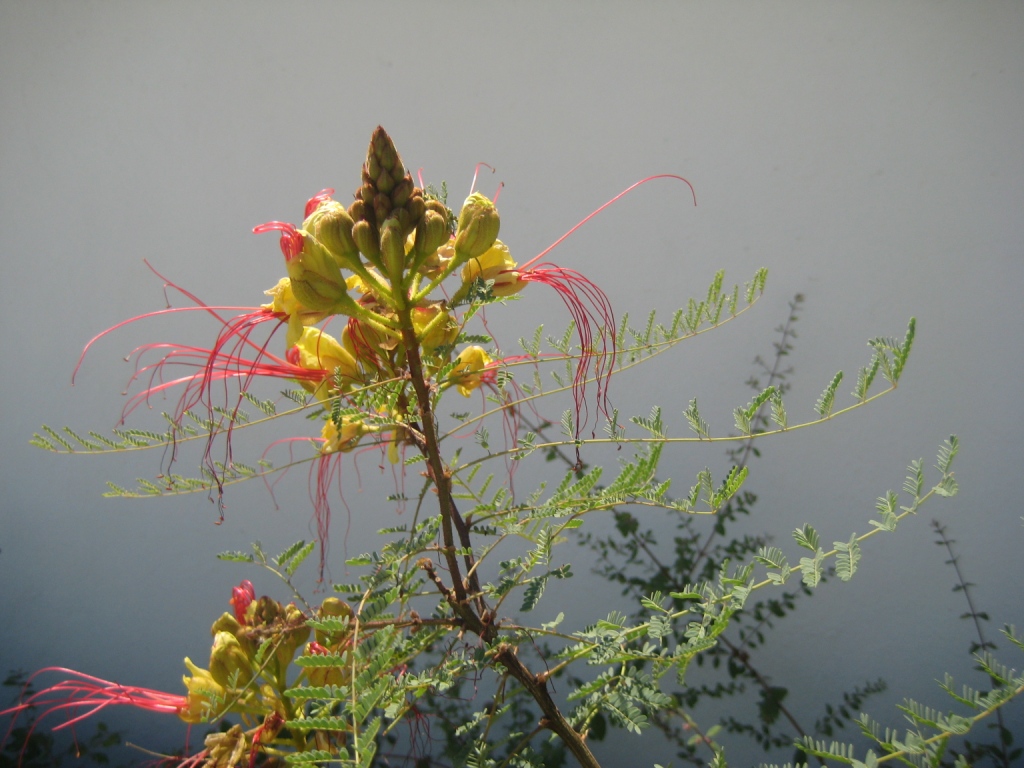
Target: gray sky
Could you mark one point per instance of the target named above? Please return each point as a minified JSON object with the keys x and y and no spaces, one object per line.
{"x":869,"y":154}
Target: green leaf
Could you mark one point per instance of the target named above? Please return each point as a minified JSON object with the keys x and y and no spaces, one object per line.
{"x":807,"y":538}
{"x":236,"y":557}
{"x":779,"y":411}
{"x":847,"y":558}
{"x":745,"y":416}
{"x":653,"y":423}
{"x":947,"y":452}
{"x":811,"y":568}
{"x":697,"y":424}
{"x":947,"y":487}
{"x":827,"y":399}
{"x":887,"y":505}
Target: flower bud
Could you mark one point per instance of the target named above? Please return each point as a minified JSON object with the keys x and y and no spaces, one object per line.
{"x":325,"y":675}
{"x":241,"y":598}
{"x":229,"y":664}
{"x":478,"y":227}
{"x":366,"y":239}
{"x":226,"y":623}
{"x":392,"y":249}
{"x":316,"y":278}
{"x":293,"y":637}
{"x":332,"y":607}
{"x":402,"y":192}
{"x":332,"y":226}
{"x":431,"y":234}
{"x":267,"y":611}
{"x":416,"y":207}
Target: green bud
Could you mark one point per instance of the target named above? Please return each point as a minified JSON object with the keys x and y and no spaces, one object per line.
{"x":381,"y":207}
{"x":331,"y":225}
{"x":416,"y":208}
{"x":402,"y":192}
{"x":228,"y":623}
{"x":332,"y":607}
{"x":478,"y":227}
{"x":229,"y":662}
{"x":431,"y":234}
{"x":392,"y":248}
{"x":293,"y":638}
{"x":366,"y":238}
{"x":316,"y":279}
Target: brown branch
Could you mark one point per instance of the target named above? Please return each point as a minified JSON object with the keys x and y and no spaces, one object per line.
{"x":552,"y":719}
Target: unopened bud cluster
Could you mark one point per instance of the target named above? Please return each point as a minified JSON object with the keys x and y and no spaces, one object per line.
{"x":382,"y":264}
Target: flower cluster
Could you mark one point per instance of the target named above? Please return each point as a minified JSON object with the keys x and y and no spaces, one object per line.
{"x":253,"y":649}
{"x":402,"y":273}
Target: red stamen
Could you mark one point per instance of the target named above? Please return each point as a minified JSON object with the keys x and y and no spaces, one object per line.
{"x":314,"y":202}
{"x":476,"y":172}
{"x":92,"y":694}
{"x":589,"y":306}
{"x":591,"y":215}
{"x":291,"y":238}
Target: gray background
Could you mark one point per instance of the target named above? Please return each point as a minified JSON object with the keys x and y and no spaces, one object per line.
{"x":869,"y":154}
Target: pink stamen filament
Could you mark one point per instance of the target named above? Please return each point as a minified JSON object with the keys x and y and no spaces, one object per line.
{"x":594,"y":213}
{"x":577,"y":292}
{"x":476,"y":172}
{"x":96,"y":694}
{"x":291,"y":240}
{"x":320,"y":197}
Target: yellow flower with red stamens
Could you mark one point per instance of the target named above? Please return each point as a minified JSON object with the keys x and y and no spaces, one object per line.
{"x":316,"y":278}
{"x":495,"y":264}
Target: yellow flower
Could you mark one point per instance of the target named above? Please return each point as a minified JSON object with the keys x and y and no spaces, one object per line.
{"x":434,"y":326}
{"x":467,"y":373}
{"x":284,"y":302}
{"x":344,"y":439}
{"x":322,"y":355}
{"x":205,"y":695}
{"x":495,"y":264}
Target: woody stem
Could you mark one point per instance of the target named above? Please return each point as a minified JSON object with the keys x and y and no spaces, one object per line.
{"x":450,"y":517}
